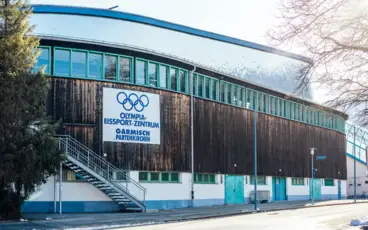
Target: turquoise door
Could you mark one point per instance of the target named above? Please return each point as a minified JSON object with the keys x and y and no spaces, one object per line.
{"x":234,"y":189}
{"x":317,"y":189}
{"x":339,"y":190}
{"x":279,"y":188}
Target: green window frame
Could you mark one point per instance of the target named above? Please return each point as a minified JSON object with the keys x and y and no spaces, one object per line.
{"x":43,"y":49}
{"x":55,"y":67}
{"x":159,"y":177}
{"x":297,"y":181}
{"x":329,"y":182}
{"x":282,"y":108}
{"x":214,"y":89}
{"x":292,"y":110}
{"x":74,"y":53}
{"x":261,"y":180}
{"x":153,"y":80}
{"x":204,"y":178}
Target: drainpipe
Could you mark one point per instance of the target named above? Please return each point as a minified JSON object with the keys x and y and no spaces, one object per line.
{"x":191,"y":131}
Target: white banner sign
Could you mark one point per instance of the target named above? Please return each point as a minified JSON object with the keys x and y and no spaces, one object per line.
{"x":131,"y":116}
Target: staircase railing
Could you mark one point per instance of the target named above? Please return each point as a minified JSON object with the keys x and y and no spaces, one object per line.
{"x":102,"y":167}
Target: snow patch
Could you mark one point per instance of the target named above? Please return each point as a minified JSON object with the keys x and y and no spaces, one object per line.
{"x":359,"y":222}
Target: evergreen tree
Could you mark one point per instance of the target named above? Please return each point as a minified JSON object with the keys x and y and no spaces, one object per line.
{"x":28,"y":151}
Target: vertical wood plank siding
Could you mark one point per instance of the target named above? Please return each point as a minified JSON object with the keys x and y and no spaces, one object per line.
{"x":223,"y":135}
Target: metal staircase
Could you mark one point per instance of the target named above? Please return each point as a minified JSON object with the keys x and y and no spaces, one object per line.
{"x":115,"y":183}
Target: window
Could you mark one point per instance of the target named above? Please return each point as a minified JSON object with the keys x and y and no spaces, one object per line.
{"x":261,"y":180}
{"x":297,"y":181}
{"x":183,"y":81}
{"x":152,"y":74}
{"x":79,"y":63}
{"x":163,"y":76}
{"x":235,"y":95}
{"x":43,"y":60}
{"x":228,"y":89}
{"x":159,"y":177}
{"x":366,"y":182}
{"x":173,"y":77}
{"x":222,"y":91}
{"x":94,"y":65}
{"x":282,"y":108}
{"x":200,"y":178}
{"x":199,"y":85}
{"x":207,"y":87}
{"x":110,"y":67}
{"x":214,"y":89}
{"x":124,"y":69}
{"x":62,"y":62}
{"x":140,"y":72}
{"x":195,"y":84}
{"x":329,"y":182}
{"x":155,"y":176}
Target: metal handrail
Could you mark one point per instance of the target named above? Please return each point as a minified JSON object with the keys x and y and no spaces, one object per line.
{"x":99,"y":165}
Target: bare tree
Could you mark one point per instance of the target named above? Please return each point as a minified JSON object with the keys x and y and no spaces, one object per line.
{"x":334,"y":34}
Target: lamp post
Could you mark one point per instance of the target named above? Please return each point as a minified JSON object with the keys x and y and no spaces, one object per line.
{"x":255,"y":154}
{"x":312,"y":185}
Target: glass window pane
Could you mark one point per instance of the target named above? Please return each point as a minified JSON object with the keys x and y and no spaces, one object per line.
{"x":207,"y":87}
{"x":62,"y":62}
{"x":228,"y":94}
{"x":235,"y":97}
{"x":163,"y":76}
{"x":43,"y":60}
{"x":212,"y":178}
{"x":206,"y":178}
{"x":173,"y":77}
{"x":140,"y":72}
{"x":199,"y":83}
{"x":79,"y":63}
{"x":174,"y":177}
{"x":165,"y":176}
{"x":194,"y":84}
{"x":124,"y":69}
{"x":94,"y":65}
{"x":200,"y":177}
{"x":110,"y":67}
{"x":241,"y":97}
{"x":155,"y":176}
{"x":222,"y":91}
{"x":152,"y":74}
{"x":214,"y":89}
{"x":143,"y":176}
{"x":183,"y":86}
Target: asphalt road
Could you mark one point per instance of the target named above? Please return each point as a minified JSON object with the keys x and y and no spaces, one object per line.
{"x":326,"y":218}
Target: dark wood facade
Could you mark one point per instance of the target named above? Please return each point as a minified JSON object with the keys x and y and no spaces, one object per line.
{"x":223,"y":135}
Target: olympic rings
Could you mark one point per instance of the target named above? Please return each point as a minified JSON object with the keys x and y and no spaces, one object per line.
{"x":132,"y":101}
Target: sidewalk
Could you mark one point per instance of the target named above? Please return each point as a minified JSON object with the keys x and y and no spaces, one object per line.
{"x":110,"y":220}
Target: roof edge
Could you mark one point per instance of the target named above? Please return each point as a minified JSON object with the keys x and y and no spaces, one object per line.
{"x":97,"y":12}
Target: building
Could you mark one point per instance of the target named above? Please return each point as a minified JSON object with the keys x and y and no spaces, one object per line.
{"x":358,"y":137}
{"x":121,"y":84}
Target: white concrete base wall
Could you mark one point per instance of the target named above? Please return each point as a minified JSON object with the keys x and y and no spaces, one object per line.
{"x":83,"y":196}
{"x":297,"y":192}
{"x":71,"y":191}
{"x":248,"y":187}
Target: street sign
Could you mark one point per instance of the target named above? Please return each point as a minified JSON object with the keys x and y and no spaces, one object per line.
{"x":321,"y":157}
